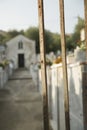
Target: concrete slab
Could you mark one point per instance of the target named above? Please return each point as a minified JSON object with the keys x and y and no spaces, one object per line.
{"x":20,"y":105}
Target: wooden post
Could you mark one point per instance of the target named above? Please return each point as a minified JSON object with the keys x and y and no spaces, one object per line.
{"x":85,"y":74}
{"x":43,"y":64}
{"x":84,"y":87}
{"x":65,"y":77}
{"x":85,"y":12}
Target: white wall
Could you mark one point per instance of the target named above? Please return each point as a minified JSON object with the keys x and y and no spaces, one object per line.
{"x":56,"y":96}
{"x":5,"y":74}
{"x":75,"y":96}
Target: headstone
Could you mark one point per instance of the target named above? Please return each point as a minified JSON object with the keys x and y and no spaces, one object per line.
{"x":80,"y":55}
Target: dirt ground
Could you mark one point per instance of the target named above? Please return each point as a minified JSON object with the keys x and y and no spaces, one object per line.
{"x":20,"y":104}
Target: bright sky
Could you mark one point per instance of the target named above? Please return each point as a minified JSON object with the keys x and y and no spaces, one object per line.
{"x":22,"y":14}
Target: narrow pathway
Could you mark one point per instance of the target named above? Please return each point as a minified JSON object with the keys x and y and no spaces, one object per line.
{"x":20,"y":104}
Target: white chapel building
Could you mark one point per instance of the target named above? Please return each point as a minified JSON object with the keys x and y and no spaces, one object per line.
{"x":21,"y":51}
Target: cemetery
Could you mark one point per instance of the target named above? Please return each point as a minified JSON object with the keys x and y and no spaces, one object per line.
{"x":35,"y":79}
{"x":76,"y":69}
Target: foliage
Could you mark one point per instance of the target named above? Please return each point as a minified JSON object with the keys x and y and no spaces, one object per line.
{"x":13,"y":33}
{"x":48,"y":62}
{"x":1,"y":38}
{"x":48,"y":41}
{"x":73,"y":40}
{"x":33,"y":33}
{"x":10,"y":34}
{"x":56,"y":42}
{"x":57,"y":60}
{"x":52,"y":40}
{"x":2,"y":65}
{"x":79,"y":25}
{"x":70,"y":45}
{"x":76,"y":34}
{"x":82,"y":46}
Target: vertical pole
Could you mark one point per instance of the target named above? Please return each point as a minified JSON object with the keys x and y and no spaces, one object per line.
{"x":43,"y":64}
{"x":65,"y":77}
{"x":85,"y":12}
{"x":84,"y":75}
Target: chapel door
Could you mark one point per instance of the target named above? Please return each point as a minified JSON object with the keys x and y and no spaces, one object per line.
{"x":21,"y":60}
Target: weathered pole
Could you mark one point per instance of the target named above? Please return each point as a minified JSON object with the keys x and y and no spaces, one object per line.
{"x":43,"y":64}
{"x":85,"y":12}
{"x":84,"y":76}
{"x":64,"y":63}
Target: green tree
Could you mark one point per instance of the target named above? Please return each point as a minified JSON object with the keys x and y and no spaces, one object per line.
{"x":48,"y":41}
{"x":76,"y":34}
{"x":12,"y":34}
{"x":56,"y":42}
{"x":2,"y":39}
{"x":69,"y":43}
{"x":79,"y":25}
{"x":74,"y":39}
{"x":33,"y":33}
